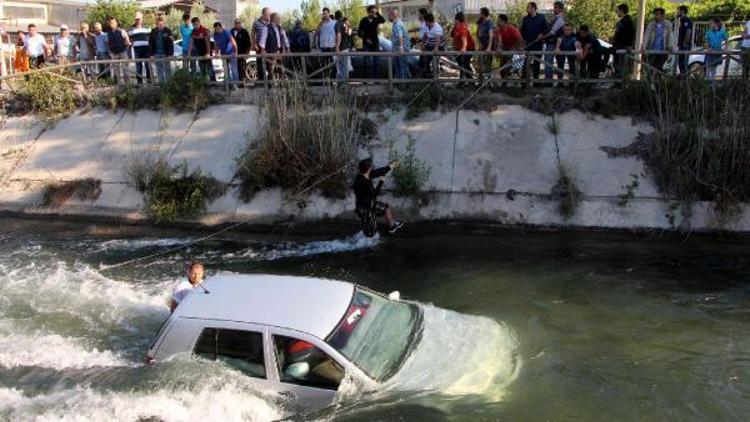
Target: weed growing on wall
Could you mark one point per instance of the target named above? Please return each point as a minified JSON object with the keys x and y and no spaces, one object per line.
{"x":566,"y":192}
{"x":172,"y":192}
{"x":185,"y":91}
{"x":305,"y":143}
{"x":411,"y":174}
{"x":422,"y":98}
{"x":49,"y":95}
{"x":57,"y":194}
{"x":628,"y":195}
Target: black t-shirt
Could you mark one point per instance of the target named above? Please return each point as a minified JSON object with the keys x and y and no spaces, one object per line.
{"x":242,"y":38}
{"x":341,"y":29}
{"x":364,"y":191}
{"x":624,"y":33}
{"x":368,"y":28}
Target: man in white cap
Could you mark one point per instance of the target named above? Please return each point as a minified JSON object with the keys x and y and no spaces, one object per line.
{"x":64,"y":46}
{"x":139,"y":38}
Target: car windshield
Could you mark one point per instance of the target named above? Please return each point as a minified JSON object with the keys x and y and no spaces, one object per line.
{"x":376,"y":334}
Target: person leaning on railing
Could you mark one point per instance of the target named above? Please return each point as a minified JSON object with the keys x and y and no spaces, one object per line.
{"x":161,"y":46}
{"x":434,"y":43}
{"x":566,"y":44}
{"x":505,"y":37}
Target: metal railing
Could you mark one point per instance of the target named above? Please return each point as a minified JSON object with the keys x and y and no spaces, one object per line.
{"x":514,"y":67}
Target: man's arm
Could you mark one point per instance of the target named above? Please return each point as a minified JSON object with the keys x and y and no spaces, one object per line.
{"x":190,"y":46}
{"x":208,"y":45}
{"x":438,"y":40}
{"x":262,"y":41}
{"x":379,"y":172}
{"x":234,"y":44}
{"x":253,"y":44}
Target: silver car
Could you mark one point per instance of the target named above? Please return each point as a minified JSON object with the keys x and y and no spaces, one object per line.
{"x":300,"y":338}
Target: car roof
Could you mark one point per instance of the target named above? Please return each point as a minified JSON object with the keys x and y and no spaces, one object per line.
{"x":311,"y":305}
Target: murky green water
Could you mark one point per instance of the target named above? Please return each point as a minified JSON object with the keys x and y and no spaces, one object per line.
{"x":608,"y":327}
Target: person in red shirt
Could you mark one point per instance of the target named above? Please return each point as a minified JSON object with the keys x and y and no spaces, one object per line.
{"x":462,"y":42}
{"x":506,"y":37}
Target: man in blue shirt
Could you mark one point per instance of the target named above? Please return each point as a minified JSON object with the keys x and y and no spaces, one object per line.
{"x":401,"y":44}
{"x":533,"y":30}
{"x":227,"y":46}
{"x":485,"y":28}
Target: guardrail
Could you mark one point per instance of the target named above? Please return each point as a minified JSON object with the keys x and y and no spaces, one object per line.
{"x":516,"y":67}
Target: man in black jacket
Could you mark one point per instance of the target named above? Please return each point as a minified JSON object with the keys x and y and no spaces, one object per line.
{"x":242,"y":38}
{"x":624,"y":38}
{"x":367,"y":207}
{"x":368,"y":31}
{"x":161,"y":45}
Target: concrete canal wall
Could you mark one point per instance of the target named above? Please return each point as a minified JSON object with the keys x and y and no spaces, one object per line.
{"x":485,"y":166}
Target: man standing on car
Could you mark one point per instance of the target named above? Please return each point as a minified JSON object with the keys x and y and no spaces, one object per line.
{"x":257,"y":32}
{"x":187,"y":286}
{"x":368,"y":31}
{"x":242,"y":38}
{"x":533,"y":29}
{"x":624,"y":39}
{"x":684,"y":37}
{"x":367,"y":206}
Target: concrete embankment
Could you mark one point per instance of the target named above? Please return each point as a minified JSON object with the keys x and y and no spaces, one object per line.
{"x":494,"y":166}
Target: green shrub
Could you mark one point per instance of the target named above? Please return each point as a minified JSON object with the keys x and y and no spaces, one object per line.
{"x":57,"y":194}
{"x":303,"y":144}
{"x":185,"y":91}
{"x":172,"y":193}
{"x":411,"y":174}
{"x":566,"y":191}
{"x":49,"y":95}
{"x":421,"y":99}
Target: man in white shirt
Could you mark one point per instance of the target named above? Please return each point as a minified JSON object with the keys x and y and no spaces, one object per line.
{"x":746,"y":51}
{"x":434,"y":40}
{"x":36,"y":47}
{"x":187,"y":286}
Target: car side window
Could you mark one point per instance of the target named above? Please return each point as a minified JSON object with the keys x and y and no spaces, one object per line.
{"x":242,"y":350}
{"x":301,"y":363}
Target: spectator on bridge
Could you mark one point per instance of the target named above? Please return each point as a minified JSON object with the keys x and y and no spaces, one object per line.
{"x":401,"y":44}
{"x":368,"y":31}
{"x":684,"y":37}
{"x":422,"y":29}
{"x":746,"y":50}
{"x":118,"y":43}
{"x":433,"y":43}
{"x":485,"y":28}
{"x":534,"y":29}
{"x":276,"y":43}
{"x":299,"y":42}
{"x":623,"y":39}
{"x":259,"y":31}
{"x":463,"y":43}
{"x":85,"y":48}
{"x":64,"y":46}
{"x":226,"y":46}
{"x":659,"y":38}
{"x":101,"y":49}
{"x":36,"y":47}
{"x":327,"y":37}
{"x":242,"y":38}
{"x":716,"y":40}
{"x":21,"y":63}
{"x":343,"y":45}
{"x":186,"y":32}
{"x":200,"y":46}
{"x":139,"y":38}
{"x":161,"y":45}
{"x":550,"y":44}
{"x":506,"y":37}
{"x":566,"y":44}
{"x":589,"y":53}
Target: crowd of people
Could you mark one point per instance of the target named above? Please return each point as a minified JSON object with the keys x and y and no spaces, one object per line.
{"x":554,"y":47}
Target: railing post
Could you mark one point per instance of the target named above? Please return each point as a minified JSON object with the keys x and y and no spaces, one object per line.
{"x":435,"y":67}
{"x":576,"y":78}
{"x":303,"y":64}
{"x":390,"y":73}
{"x":527,"y":69}
{"x":225,"y":63}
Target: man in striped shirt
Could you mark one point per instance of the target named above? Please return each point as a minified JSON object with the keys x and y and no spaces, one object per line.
{"x":139,"y":38}
{"x":259,"y":32}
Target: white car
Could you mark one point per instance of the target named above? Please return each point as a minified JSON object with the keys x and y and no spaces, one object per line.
{"x":217,"y":64}
{"x":696,"y":63}
{"x":308,"y":341}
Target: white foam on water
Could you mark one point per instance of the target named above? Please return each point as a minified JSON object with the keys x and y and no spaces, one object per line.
{"x":352,"y":243}
{"x":460,"y":355}
{"x":51,"y":351}
{"x":225,"y":403}
{"x":134,"y":244}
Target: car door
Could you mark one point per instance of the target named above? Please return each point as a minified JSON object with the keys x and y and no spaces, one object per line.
{"x":309,"y":371}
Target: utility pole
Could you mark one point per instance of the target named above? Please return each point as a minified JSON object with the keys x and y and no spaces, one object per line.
{"x":639,"y":37}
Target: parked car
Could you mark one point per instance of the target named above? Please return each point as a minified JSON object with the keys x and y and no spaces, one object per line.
{"x":307,"y":340}
{"x":217,"y":64}
{"x":696,"y":63}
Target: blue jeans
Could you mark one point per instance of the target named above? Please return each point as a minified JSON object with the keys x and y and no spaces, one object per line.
{"x":371,"y":62}
{"x":163,"y":68}
{"x":342,"y":67}
{"x":141,"y":68}
{"x":400,"y":67}
{"x":549,"y":60}
{"x":232,"y":71}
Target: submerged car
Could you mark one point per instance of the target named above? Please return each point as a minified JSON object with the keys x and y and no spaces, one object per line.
{"x":298,"y":337}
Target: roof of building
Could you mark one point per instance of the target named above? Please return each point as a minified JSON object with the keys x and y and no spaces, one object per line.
{"x":311,"y":305}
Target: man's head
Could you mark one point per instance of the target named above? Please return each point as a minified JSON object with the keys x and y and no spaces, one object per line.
{"x":393,"y":15}
{"x":460,"y":17}
{"x":326,"y":13}
{"x":84,"y":27}
{"x":365,"y":166}
{"x":338,"y":15}
{"x":502,"y":20}
{"x":195,"y":273}
{"x":64,"y":30}
{"x":531,"y":9}
{"x":138,"y":19}
{"x":160,"y":22}
{"x":237,"y":23}
{"x":622,"y":10}
{"x":659,"y":14}
{"x":32,"y":29}
{"x":371,"y":10}
{"x":196,"y":22}
{"x":716,"y":24}
{"x":186,"y":18}
{"x":218,"y":27}
{"x":567,"y":29}
{"x":112,"y":22}
{"x":429,"y":19}
{"x":265,"y":13}
{"x":484,"y":13}
{"x":583,"y":31}
{"x":98,"y":27}
{"x":682,"y":11}
{"x":558,"y":7}
{"x":276,"y":19}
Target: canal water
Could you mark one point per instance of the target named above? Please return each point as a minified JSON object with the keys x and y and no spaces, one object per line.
{"x":594,"y":326}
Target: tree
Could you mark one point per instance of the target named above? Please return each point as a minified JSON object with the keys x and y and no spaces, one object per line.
{"x":250,"y":14}
{"x":310,"y":11}
{"x":726,"y":9}
{"x":600,"y":17}
{"x":352,"y":9}
{"x":123,"y":10}
{"x":198,"y":9}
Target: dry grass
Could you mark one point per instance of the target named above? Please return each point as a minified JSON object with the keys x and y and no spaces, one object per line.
{"x":57,"y":194}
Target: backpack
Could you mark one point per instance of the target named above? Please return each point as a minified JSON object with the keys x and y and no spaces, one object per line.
{"x":116,"y":41}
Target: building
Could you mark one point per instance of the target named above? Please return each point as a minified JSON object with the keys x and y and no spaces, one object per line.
{"x":409,"y":8}
{"x":226,"y":10}
{"x":47,"y":15}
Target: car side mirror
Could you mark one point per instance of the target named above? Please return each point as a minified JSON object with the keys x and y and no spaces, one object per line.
{"x":394,"y":295}
{"x":299,"y":370}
